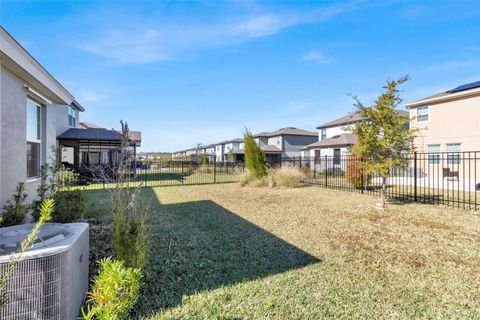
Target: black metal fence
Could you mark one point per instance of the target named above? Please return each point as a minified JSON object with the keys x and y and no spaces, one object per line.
{"x":155,"y":174}
{"x":438,"y":178}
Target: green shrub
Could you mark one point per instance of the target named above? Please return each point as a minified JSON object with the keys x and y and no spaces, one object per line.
{"x":130,"y":241}
{"x":42,"y":191}
{"x":66,"y":177}
{"x":15,"y":208}
{"x":114,"y":291}
{"x":255,"y":159}
{"x":69,"y":206}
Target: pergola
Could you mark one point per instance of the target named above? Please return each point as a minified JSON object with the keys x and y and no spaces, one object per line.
{"x":83,"y":149}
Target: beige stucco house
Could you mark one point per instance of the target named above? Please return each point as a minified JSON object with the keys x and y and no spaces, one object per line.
{"x":448,"y":121}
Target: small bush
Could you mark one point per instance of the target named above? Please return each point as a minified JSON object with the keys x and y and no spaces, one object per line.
{"x":69,"y":206}
{"x":114,"y":292}
{"x":15,"y":209}
{"x":255,"y":159}
{"x":356,"y":174}
{"x":66,"y":177}
{"x":287,"y":177}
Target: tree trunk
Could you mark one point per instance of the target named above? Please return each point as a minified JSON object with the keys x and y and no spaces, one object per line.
{"x":381,"y":204}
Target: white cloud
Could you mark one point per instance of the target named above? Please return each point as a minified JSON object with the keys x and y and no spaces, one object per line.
{"x":128,"y":47}
{"x":317,"y":57}
{"x":451,"y":65}
{"x":127,"y":38}
{"x":90,"y":96}
{"x":262,"y":26}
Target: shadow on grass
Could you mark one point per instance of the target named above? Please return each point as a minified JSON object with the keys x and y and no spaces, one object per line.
{"x":199,"y":245}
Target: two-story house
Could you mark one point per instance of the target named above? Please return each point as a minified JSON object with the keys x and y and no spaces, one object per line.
{"x":334,"y":137}
{"x":285,"y":142}
{"x":448,"y":121}
{"x":34,"y":109}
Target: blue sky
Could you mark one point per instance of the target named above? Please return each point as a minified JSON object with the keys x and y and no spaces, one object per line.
{"x":189,"y":72}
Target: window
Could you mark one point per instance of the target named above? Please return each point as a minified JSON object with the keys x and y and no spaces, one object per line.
{"x":33,"y":139}
{"x":422,"y":114}
{"x":336,"y":156}
{"x":453,"y":153}
{"x":71,"y":117}
{"x":278,"y":141}
{"x":433,"y":153}
{"x":323,"y":134}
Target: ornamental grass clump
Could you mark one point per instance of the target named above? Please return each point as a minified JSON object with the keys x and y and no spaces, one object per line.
{"x":287,"y":177}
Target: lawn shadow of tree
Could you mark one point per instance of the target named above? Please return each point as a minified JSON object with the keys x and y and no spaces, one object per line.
{"x":199,"y":245}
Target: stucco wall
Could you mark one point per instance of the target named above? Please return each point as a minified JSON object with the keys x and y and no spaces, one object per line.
{"x":61,"y":123}
{"x":13,"y":135}
{"x":334,"y":131}
{"x":275,"y":141}
{"x":449,"y":122}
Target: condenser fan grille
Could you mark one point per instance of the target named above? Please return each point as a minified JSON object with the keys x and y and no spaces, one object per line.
{"x":36,"y":288}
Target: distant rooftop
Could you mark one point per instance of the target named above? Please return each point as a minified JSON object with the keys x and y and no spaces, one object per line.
{"x":88,"y":125}
{"x":292,"y":131}
{"x":353,"y":118}
{"x":341,"y":140}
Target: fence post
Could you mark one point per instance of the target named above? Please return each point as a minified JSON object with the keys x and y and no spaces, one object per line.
{"x":362,"y":182}
{"x":182,"y":173}
{"x":326,"y":171}
{"x":415,"y":176}
{"x":215,"y":171}
{"x":145,"y":176}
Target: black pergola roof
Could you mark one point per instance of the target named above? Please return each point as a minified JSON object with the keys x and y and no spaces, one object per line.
{"x":93,"y":134}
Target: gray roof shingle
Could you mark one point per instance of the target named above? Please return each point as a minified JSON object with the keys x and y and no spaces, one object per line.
{"x":98,"y":134}
{"x":341,"y":140}
{"x":353,"y":118}
{"x":287,"y":131}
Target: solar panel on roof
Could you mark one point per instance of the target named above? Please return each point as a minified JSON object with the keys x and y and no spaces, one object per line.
{"x":467,"y":86}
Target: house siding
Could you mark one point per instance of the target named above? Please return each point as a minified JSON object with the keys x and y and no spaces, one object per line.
{"x":13,"y":136}
{"x":292,"y":144}
{"x":455,"y":121}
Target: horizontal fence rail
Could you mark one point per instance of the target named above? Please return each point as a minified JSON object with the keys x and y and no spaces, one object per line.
{"x":437,"y":178}
{"x":449,"y":178}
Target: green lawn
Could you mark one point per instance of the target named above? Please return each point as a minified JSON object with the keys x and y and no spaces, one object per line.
{"x":226,"y":252}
